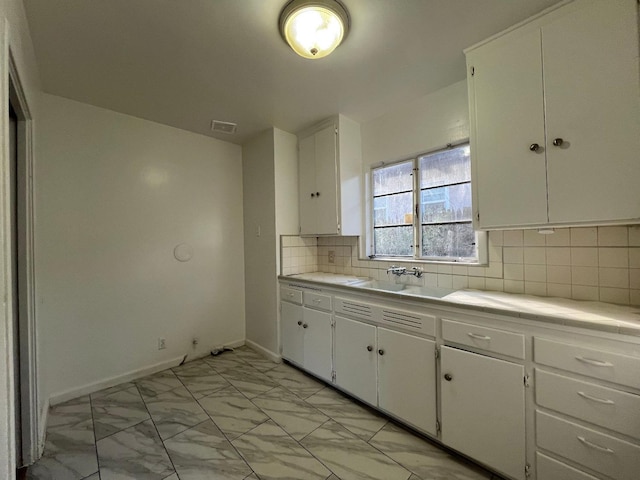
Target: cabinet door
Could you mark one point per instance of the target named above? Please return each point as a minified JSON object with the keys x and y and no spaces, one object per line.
{"x":317,"y":342}
{"x":291,"y":330}
{"x":307,"y":184}
{"x":592,"y":90}
{"x":355,"y":359}
{"x":483,"y":409}
{"x":407,"y":378}
{"x":507,"y":117}
{"x":326,"y":181}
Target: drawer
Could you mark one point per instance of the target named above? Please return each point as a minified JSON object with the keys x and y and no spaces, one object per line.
{"x":484,"y":338}
{"x":606,"y":407}
{"x":317,"y":300}
{"x":595,"y":450}
{"x":612,"y":367}
{"x":550,"y":469}
{"x":291,"y":295}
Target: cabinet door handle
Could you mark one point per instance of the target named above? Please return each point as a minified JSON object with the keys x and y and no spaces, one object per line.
{"x":557,"y":142}
{"x":369,"y":348}
{"x":313,"y":194}
{"x":290,"y":294}
{"x":594,"y":362}
{"x":317,"y":194}
{"x":534,"y":147}
{"x":478,"y":336}
{"x":596,"y":399}
{"x":305,"y":326}
{"x":448,"y":377}
{"x":381,"y":352}
{"x":299,"y":322}
{"x":594,"y":446}
{"x":316,"y":300}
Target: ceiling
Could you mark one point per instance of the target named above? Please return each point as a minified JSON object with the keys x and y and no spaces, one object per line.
{"x":186,"y":62}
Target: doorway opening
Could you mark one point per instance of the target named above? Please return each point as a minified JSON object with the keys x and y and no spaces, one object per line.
{"x":20,"y":238}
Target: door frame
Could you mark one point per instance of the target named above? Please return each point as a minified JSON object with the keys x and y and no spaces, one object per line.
{"x":11,"y":90}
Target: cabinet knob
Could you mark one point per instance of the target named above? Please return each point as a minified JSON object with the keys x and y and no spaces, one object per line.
{"x":305,"y":325}
{"x":557,"y":142}
{"x":299,"y":322}
{"x":313,"y":194}
{"x":448,"y":377}
{"x":369,"y":348}
{"x":317,"y":194}
{"x":534,"y":147}
{"x":381,"y":352}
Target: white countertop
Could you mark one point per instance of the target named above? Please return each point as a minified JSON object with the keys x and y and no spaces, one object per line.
{"x":592,"y":315}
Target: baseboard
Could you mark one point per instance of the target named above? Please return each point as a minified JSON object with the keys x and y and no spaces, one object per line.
{"x":267,"y":353}
{"x":112,"y":381}
{"x":42,"y":427}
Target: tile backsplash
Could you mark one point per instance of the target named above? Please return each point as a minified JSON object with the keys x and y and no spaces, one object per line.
{"x":587,"y":263}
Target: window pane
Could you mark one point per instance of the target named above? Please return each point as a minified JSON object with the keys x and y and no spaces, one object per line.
{"x":393,"y":241}
{"x":393,"y":179}
{"x":453,"y":240}
{"x":393,"y":209}
{"x":446,"y":167}
{"x":446,"y":204}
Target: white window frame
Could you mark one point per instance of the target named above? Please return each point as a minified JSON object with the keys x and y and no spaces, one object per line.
{"x":481,"y":236}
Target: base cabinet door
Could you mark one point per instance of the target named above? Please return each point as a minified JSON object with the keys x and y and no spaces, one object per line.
{"x":317,"y":342}
{"x":355,"y":359}
{"x":483,"y":404}
{"x":291,"y":332}
{"x":407,"y":378}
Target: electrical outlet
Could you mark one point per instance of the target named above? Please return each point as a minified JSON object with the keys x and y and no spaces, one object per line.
{"x":332,"y":256}
{"x":194,"y":342}
{"x":162,"y":343}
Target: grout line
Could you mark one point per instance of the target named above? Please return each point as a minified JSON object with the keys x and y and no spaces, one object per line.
{"x":95,"y":440}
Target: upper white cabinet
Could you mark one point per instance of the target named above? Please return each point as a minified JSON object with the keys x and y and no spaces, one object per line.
{"x":555,"y":119}
{"x":330,"y":162}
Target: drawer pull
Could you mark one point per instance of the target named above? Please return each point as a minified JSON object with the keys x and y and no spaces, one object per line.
{"x":290,"y":294}
{"x":316,"y":300}
{"x":594,"y":446}
{"x":596,"y":363}
{"x":478,"y":336}
{"x":596,"y":399}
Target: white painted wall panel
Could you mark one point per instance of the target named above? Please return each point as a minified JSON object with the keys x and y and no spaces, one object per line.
{"x":114,"y":196}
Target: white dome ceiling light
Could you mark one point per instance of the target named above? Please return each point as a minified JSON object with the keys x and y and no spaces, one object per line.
{"x":314,"y":28}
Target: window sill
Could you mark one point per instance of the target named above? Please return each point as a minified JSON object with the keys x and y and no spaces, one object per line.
{"x":416,"y":261}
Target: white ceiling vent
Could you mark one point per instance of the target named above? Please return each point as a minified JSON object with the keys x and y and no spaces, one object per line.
{"x":223,"y":127}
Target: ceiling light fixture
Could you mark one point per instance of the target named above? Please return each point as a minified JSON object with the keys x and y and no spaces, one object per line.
{"x":314,"y":28}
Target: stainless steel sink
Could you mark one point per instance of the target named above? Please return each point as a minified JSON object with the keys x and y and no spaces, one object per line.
{"x":380,"y":285}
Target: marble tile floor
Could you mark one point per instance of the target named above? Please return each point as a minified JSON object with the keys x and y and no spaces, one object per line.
{"x":236,"y":416}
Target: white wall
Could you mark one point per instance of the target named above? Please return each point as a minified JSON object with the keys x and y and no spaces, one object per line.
{"x":428,"y":123}
{"x":270,"y":176}
{"x":114,"y":196}
{"x":14,"y":38}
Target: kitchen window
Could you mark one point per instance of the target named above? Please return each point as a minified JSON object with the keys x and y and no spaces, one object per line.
{"x":422,"y":208}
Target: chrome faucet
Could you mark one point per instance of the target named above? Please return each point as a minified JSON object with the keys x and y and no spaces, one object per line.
{"x":399,"y":271}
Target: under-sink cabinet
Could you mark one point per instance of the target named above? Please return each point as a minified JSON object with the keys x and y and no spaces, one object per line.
{"x":394,"y":371}
{"x":527,"y":399}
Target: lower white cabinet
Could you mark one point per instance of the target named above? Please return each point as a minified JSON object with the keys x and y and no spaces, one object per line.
{"x":483,"y":409}
{"x":392,"y":370}
{"x":306,"y":338}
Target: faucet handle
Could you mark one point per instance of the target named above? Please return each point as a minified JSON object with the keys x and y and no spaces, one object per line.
{"x":418,"y":271}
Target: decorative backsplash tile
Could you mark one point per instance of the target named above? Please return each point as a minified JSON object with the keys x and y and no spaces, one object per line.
{"x":586,"y":263}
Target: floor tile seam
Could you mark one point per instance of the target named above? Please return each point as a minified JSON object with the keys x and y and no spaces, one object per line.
{"x":95,"y":439}
{"x":297,"y":397}
{"x":312,"y":454}
{"x":161,"y":441}
{"x":296,"y":441}
{"x":123,"y":429}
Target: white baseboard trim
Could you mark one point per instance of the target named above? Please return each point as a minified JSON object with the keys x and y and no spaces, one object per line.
{"x":112,"y":381}
{"x":267,"y":353}
{"x":42,"y":427}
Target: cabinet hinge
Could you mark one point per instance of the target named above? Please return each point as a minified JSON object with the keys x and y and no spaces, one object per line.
{"x":527,"y":470}
{"x":333,"y":323}
{"x":526,"y":381}
{"x":437,"y":352}
{"x":280,"y":308}
{"x":300,"y":229}
{"x":478,"y":215}
{"x":333,"y":376}
{"x":473,"y":71}
{"x":438,"y":428}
